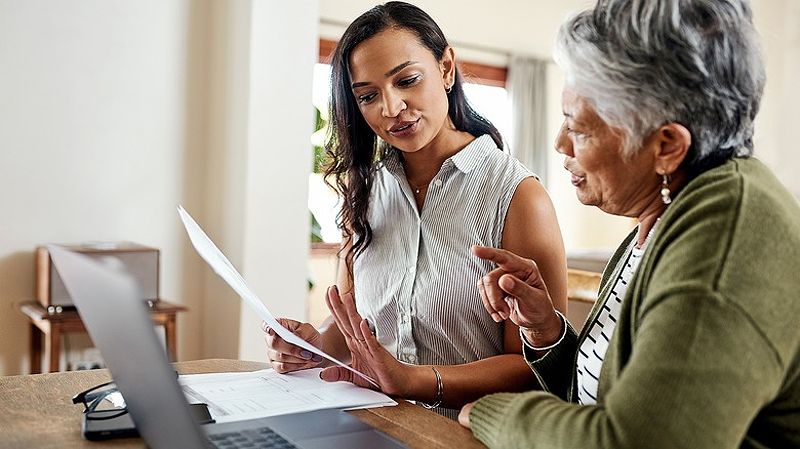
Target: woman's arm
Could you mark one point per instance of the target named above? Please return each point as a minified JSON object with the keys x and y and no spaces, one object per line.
{"x":531,"y":231}
{"x":461,"y":383}
{"x":467,"y":382}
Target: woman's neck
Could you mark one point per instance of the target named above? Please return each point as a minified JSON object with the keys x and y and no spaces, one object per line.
{"x":646,"y":224}
{"x":421,"y":166}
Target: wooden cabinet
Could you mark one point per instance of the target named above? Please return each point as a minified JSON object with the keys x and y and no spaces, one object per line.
{"x":50,"y":326}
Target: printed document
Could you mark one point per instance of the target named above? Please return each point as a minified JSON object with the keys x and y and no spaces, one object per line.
{"x":222,"y":266}
{"x":257,"y":394}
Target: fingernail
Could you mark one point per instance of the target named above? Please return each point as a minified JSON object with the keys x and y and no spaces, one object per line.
{"x":305,"y":354}
{"x":316,"y":358}
{"x":496,"y":317}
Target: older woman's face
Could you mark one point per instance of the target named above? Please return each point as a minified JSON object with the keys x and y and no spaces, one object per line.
{"x":601,"y":175}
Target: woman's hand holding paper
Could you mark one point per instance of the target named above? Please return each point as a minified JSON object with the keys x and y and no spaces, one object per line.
{"x":286,"y":357}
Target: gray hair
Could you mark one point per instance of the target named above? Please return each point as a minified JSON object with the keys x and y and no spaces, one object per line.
{"x":645,"y":63}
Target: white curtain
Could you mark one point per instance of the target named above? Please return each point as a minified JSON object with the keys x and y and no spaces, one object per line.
{"x":527,"y":89}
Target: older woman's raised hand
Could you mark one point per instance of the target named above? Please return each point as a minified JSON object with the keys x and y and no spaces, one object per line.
{"x":515,"y":290}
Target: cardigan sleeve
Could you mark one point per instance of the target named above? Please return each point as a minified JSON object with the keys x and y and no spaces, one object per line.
{"x":688,"y":384}
{"x":554,"y":369}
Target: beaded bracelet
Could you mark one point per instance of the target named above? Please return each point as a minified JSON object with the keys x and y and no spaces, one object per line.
{"x":548,"y":347}
{"x":439,"y":391}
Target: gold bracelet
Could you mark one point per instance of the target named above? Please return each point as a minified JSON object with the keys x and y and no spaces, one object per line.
{"x":439,"y":391}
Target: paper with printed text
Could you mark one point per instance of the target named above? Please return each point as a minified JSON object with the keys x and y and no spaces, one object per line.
{"x":223,"y":267}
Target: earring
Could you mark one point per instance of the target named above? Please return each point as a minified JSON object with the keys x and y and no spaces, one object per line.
{"x":665,"y":192}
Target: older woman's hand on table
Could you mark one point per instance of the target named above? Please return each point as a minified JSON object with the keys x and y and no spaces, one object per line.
{"x":515,"y":290}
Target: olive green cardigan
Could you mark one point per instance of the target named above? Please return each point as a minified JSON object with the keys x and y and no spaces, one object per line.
{"x":706,"y":349}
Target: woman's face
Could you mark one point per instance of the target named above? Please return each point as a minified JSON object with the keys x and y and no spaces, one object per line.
{"x":601,"y":175}
{"x":399,"y":87}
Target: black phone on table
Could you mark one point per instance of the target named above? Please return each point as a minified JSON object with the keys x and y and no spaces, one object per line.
{"x":107,"y":424}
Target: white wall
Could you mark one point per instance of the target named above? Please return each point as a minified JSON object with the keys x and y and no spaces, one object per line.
{"x":99,"y":106}
{"x":281,"y":120}
{"x":113,"y":112}
{"x":778,"y":23}
{"x":518,"y":26}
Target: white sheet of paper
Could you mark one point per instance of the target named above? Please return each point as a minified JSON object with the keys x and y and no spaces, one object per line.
{"x":257,"y":394}
{"x":222,"y":266}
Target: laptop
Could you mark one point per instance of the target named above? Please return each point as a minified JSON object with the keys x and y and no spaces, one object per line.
{"x":110,"y":305}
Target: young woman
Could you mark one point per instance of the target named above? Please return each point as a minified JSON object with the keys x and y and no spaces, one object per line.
{"x":423,"y":178}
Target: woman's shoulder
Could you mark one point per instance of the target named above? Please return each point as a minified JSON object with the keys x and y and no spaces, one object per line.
{"x":733,"y":234}
{"x":735,"y":223}
{"x":743,"y":188}
{"x":498,"y":163}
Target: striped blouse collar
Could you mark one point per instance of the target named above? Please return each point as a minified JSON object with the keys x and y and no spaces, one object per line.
{"x":465,"y":160}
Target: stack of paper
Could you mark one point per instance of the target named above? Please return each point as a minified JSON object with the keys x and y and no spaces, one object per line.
{"x":257,"y":394}
{"x":240,"y":396}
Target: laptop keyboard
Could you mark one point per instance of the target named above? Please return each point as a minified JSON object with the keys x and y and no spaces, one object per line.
{"x":262,"y":437}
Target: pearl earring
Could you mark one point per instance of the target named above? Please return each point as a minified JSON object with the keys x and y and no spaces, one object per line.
{"x":665,"y":192}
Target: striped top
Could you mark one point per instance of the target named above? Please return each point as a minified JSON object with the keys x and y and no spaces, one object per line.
{"x":594,"y":347}
{"x":416,"y":282}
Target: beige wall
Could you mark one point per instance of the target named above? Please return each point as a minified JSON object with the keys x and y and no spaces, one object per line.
{"x":113,"y":112}
{"x":100,"y":107}
{"x":778,"y":22}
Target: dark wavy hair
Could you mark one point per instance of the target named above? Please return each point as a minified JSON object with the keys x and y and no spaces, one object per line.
{"x":352,"y":147}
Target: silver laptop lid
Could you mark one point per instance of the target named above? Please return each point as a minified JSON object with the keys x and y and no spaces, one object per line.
{"x":115,"y":315}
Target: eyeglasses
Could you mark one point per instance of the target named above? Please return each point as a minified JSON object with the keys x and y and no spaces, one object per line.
{"x":101,"y":402}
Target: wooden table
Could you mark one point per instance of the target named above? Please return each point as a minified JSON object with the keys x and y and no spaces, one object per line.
{"x":36,"y":411}
{"x":50,"y":327}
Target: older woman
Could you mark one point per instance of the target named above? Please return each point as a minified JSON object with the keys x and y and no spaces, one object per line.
{"x":694,"y":341}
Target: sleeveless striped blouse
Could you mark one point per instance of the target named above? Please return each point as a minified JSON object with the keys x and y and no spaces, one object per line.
{"x":416,"y":282}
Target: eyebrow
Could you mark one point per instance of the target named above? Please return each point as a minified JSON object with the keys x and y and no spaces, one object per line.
{"x":388,"y":74}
